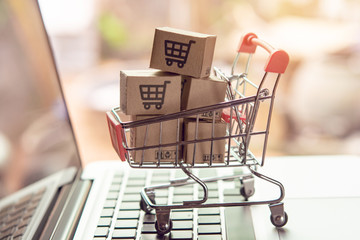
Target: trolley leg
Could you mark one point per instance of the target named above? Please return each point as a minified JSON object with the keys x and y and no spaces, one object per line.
{"x":278,"y":216}
{"x":247,"y":189}
{"x":163,"y":224}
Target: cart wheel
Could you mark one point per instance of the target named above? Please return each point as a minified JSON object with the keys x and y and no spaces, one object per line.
{"x":146,"y":208}
{"x":146,"y":106}
{"x":248,"y":193}
{"x":279,"y":221}
{"x":169,"y":62}
{"x":158,"y":106}
{"x":162,"y":230}
{"x":180,"y":64}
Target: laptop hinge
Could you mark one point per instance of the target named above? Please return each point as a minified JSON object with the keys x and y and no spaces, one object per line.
{"x":69,"y":218}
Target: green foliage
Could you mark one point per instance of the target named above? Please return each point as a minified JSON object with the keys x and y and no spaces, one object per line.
{"x":112,"y":30}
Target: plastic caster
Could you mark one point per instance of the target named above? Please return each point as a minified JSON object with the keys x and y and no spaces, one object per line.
{"x":144,"y":206}
{"x":246,"y":194}
{"x":162,"y":230}
{"x":279,"y":221}
{"x":247,"y":189}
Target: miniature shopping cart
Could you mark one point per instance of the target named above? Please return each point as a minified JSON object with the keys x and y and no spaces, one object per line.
{"x":177,"y":52}
{"x":153,"y":95}
{"x":245,"y":100}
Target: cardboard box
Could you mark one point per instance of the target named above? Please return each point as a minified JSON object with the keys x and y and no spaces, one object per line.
{"x":140,"y":137}
{"x":183,"y":52}
{"x":202,"y":150}
{"x":149,"y":92}
{"x":201,"y":92}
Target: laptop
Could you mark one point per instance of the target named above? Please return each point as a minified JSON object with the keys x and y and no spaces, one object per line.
{"x":45,"y":192}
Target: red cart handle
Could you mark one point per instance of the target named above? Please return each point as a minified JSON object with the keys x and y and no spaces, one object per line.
{"x":278,"y":59}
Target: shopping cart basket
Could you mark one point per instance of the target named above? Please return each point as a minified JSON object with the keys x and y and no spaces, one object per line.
{"x":240,"y":112}
{"x":177,"y":52}
{"x":153,"y":95}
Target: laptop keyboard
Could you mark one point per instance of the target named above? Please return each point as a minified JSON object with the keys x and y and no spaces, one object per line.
{"x":121,"y":217}
{"x":15,"y":218}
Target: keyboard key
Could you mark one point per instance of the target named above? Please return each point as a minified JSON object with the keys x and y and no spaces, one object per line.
{"x":183,"y":191}
{"x":128,"y":215}
{"x":209,"y":211}
{"x":209,"y":229}
{"x":101,"y":232}
{"x":181,"y":198}
{"x":149,"y":218}
{"x":138,"y":174}
{"x":33,"y":204}
{"x":14,"y":218}
{"x":24,"y":222}
{"x":110,"y":204}
{"x":136,"y":183}
{"x":131,"y":198}
{"x":117,"y":180}
{"x":210,"y":237}
{"x":115,"y":187}
{"x":29,"y":213}
{"x":130,"y":190}
{"x":181,"y":215}
{"x":112,"y":196}
{"x":148,"y":228}
{"x":154,"y":236}
{"x":161,"y":200}
{"x":184,"y":235}
{"x":104,"y":222}
{"x":162,"y":193}
{"x":231,"y":192}
{"x":212,"y":200}
{"x":213,"y":194}
{"x":130,"y":205}
{"x":11,"y":224}
{"x":126,"y":223}
{"x":7,"y":232}
{"x":182,"y":225}
{"x":210,"y":172}
{"x":107,"y":212}
{"x":14,"y":238}
{"x":19,"y":232}
{"x":124,"y":233}
{"x":206,"y":219}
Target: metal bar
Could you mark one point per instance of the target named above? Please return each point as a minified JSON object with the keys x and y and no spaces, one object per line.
{"x":269,"y":119}
{"x":160,"y":140}
{"x":201,"y":183}
{"x":212,"y":139}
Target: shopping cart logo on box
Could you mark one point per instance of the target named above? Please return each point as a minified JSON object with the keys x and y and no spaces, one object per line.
{"x":153,"y":95}
{"x":177,"y":52}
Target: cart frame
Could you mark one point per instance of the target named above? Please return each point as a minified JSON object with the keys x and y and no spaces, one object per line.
{"x":241,"y":128}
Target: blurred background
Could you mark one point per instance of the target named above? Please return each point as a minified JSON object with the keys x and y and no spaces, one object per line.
{"x":317,"y":107}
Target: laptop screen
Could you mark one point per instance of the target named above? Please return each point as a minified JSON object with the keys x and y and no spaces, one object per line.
{"x":36,"y":137}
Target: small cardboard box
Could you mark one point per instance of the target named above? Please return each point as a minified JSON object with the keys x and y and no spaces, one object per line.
{"x":201,"y":92}
{"x":183,"y":52}
{"x":149,"y":92}
{"x":150,"y":135}
{"x":202,"y":150}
